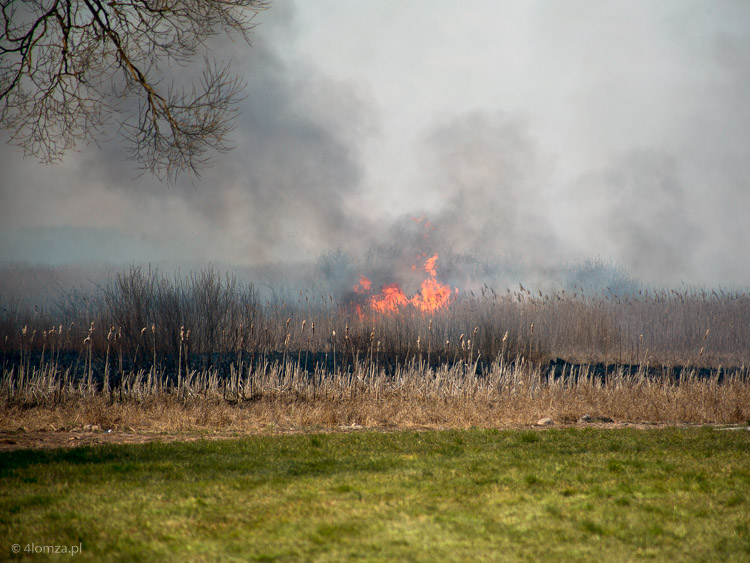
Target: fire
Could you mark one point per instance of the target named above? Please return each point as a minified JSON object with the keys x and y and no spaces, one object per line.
{"x":363,"y":286}
{"x":391,"y":299}
{"x":431,"y":297}
{"x":429,"y":266}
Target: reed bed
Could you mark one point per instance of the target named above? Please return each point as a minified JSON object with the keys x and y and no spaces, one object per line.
{"x":205,"y":350}
{"x":414,"y":396}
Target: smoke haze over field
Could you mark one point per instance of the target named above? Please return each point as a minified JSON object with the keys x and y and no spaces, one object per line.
{"x":555,"y":132}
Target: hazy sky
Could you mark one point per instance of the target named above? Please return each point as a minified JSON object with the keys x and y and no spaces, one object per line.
{"x":554,"y":131}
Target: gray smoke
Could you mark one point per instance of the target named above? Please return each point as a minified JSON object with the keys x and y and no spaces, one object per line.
{"x":283,"y":193}
{"x":489,"y":176}
{"x":643,"y":215}
{"x":616,"y":132}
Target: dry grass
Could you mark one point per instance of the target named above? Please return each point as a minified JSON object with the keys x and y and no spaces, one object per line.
{"x":508,"y":394}
{"x":200,"y":352}
{"x":143,"y":319}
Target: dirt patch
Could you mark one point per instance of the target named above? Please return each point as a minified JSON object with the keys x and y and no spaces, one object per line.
{"x":21,"y":439}
{"x":10,"y":441}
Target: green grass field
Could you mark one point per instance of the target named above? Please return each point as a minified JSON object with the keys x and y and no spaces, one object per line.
{"x":557,"y":494}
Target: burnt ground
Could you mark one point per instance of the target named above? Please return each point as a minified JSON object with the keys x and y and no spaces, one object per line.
{"x":554,"y":368}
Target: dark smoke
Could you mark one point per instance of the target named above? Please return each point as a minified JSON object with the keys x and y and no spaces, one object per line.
{"x":284,"y":192}
{"x":641,"y":165}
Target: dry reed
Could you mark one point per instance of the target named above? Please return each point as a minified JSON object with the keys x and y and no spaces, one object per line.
{"x":204,"y":351}
{"x":414,"y":396}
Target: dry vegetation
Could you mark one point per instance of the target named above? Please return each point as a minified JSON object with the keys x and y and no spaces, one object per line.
{"x":204,"y":352}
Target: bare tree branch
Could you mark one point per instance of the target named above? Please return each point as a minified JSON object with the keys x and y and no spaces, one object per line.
{"x":69,"y":66}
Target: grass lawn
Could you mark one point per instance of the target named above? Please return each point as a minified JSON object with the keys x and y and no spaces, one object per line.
{"x":557,"y":494}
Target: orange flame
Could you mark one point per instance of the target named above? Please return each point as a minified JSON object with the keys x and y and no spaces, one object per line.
{"x":391,"y":299}
{"x":431,"y":297}
{"x":429,"y":266}
{"x":363,"y":286}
